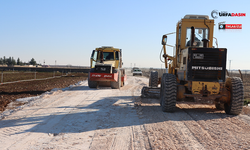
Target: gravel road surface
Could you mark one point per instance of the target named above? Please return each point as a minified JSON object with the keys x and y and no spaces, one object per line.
{"x":99,"y":119}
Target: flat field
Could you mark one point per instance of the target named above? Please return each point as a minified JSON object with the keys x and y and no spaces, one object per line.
{"x":12,"y":91}
{"x":16,"y":76}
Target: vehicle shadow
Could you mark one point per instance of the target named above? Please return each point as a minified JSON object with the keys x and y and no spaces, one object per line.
{"x":184,"y":111}
{"x":109,"y":112}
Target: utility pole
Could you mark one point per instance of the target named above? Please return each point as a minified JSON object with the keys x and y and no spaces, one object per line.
{"x":230,"y":67}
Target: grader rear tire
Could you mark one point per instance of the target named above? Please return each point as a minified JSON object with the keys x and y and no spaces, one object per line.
{"x":235,"y":86}
{"x":153,"y":79}
{"x":168,"y":93}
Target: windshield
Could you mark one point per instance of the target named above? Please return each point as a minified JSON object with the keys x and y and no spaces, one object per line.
{"x":200,"y":34}
{"x":108,"y":55}
{"x":137,"y":70}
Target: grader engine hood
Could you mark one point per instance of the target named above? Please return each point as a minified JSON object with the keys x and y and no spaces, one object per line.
{"x":206,"y":64}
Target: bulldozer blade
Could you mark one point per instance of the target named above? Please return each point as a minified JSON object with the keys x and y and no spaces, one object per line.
{"x":150,"y":92}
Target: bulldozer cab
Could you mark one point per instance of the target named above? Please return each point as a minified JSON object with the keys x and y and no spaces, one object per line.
{"x":106,"y":55}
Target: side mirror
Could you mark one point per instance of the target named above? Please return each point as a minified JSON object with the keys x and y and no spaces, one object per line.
{"x":164,"y":40}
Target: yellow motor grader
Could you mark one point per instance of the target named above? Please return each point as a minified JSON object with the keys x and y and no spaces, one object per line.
{"x":197,"y":69}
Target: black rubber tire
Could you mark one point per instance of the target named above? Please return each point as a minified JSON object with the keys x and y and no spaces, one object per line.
{"x":153,"y":79}
{"x":116,"y":85}
{"x":92,"y":84}
{"x":168,"y":93}
{"x":235,"y":86}
{"x":219,"y":106}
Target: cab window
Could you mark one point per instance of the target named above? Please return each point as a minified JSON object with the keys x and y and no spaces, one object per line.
{"x":200,"y":34}
{"x":116,"y":55}
{"x":108,"y":55}
{"x":94,"y":55}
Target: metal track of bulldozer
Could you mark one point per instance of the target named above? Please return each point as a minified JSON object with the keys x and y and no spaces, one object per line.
{"x":150,"y":92}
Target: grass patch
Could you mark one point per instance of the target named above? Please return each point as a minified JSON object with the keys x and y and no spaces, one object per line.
{"x":246,"y":101}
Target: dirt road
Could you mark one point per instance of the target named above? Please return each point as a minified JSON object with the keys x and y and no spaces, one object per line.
{"x":104,"y":118}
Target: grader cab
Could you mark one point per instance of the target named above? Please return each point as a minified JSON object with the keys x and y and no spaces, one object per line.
{"x":197,"y":69}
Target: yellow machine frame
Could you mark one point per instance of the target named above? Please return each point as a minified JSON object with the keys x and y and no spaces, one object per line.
{"x":181,"y":34}
{"x":193,"y":71}
{"x":181,"y":28}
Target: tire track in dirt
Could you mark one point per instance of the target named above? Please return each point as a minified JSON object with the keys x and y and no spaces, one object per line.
{"x":166,"y":130}
{"x":50,"y":127}
{"x":114,"y":119}
{"x":198,"y":125}
{"x":224,"y":129}
{"x":16,"y":119}
{"x":193,"y":126}
{"x":21,"y":131}
{"x":112,"y":127}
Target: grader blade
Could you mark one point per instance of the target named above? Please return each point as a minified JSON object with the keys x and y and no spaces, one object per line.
{"x":150,"y":92}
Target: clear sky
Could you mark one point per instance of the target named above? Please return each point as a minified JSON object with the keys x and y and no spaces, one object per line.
{"x":66,"y":31}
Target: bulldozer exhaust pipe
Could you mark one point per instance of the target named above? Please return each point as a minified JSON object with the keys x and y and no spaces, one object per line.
{"x":205,"y":42}
{"x":192,"y":35}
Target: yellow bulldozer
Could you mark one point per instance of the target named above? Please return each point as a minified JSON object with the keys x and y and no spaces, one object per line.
{"x":197,"y":69}
{"x":106,"y":68}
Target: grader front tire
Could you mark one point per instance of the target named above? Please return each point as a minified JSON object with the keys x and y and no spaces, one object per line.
{"x":168,"y":93}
